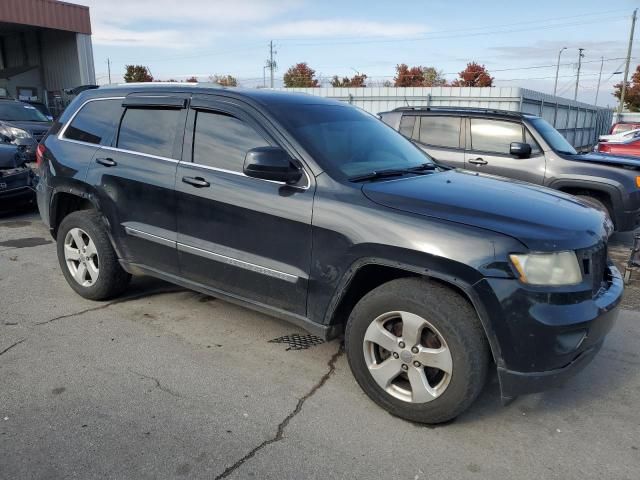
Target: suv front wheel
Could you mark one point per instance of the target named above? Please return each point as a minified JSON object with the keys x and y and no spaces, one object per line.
{"x":87,"y":259}
{"x":417,"y":348}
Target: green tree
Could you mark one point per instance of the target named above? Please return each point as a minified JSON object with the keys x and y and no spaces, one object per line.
{"x":137,"y":73}
{"x":632,"y":92}
{"x":475,"y":75}
{"x":300,"y":76}
{"x":432,"y":77}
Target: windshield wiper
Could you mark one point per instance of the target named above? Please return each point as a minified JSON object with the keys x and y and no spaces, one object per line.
{"x":394,"y":172}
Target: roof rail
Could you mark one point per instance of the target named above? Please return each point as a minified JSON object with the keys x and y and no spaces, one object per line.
{"x":459,"y":109}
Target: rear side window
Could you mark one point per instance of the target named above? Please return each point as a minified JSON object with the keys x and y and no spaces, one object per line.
{"x":222,"y":141}
{"x":406,"y":125}
{"x":440,"y":131}
{"x":150,"y":130}
{"x":96,"y":122}
{"x":494,"y":135}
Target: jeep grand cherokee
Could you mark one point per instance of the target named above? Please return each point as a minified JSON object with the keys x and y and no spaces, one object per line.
{"x":318,"y":213}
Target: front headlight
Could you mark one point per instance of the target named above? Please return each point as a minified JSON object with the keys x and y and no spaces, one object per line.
{"x":13,"y":133}
{"x":557,"y":268}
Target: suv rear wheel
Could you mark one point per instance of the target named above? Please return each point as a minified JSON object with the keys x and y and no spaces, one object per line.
{"x":88,"y":261}
{"x":418,"y":350}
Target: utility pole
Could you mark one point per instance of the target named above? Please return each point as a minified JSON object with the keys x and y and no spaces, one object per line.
{"x":626,"y":68}
{"x":555,"y":86}
{"x":580,"y":55}
{"x":271,"y":62}
{"x":599,"y":79}
{"x":109,"y":69}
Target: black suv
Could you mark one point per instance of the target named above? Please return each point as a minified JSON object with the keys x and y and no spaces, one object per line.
{"x":524,"y":147}
{"x":318,"y":213}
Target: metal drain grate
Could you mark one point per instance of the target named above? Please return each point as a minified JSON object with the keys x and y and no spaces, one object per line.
{"x":298,"y":342}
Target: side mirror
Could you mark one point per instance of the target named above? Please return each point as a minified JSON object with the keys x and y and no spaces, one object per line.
{"x":271,"y":163}
{"x":520,"y":150}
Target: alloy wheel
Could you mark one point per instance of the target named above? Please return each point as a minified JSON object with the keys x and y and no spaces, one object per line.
{"x":407,"y":357}
{"x":81,"y":257}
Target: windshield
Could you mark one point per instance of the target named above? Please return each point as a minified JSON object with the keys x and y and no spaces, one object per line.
{"x":20,"y":112}
{"x":553,"y":137}
{"x":348,"y":141}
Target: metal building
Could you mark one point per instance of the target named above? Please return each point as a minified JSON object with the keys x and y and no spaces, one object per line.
{"x":45,"y":47}
{"x":579,"y":122}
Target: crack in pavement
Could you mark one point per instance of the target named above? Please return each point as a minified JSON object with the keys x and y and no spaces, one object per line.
{"x":11,"y":346}
{"x":117,"y":301}
{"x":158,"y":384}
{"x":283,"y":425}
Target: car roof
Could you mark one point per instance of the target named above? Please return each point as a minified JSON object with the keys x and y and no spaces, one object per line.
{"x":261,"y":96}
{"x":463,"y":111}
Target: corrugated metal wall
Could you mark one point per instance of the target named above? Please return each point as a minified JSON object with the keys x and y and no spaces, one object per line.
{"x":579,"y":122}
{"x":60,"y":60}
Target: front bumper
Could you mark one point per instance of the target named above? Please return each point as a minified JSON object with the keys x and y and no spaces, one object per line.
{"x":543,"y":339}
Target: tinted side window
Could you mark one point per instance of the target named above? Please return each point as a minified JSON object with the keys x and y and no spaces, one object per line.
{"x":440,"y":131}
{"x":406,"y":125}
{"x":494,"y":135}
{"x":96,"y":122}
{"x":149,"y":130}
{"x":222,"y":141}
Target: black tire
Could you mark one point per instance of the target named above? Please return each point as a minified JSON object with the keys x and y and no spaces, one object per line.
{"x":455,"y":320}
{"x":597,"y":204}
{"x":112,"y":279}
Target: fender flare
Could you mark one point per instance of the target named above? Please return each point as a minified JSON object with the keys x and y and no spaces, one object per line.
{"x":466,"y":286}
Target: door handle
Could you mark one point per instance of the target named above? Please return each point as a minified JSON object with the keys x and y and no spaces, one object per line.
{"x":197,"y":182}
{"x":107,"y":162}
{"x":478,"y":161}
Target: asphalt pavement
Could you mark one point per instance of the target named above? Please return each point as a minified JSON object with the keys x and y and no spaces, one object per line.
{"x":168,"y":383}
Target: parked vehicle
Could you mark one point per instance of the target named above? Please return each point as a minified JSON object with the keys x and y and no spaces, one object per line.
{"x":620,"y":127}
{"x":629,"y":147}
{"x":315,"y":212}
{"x":16,"y":178}
{"x":22,"y":124}
{"x":523,"y":147}
{"x":43,"y":109}
{"x":620,"y":137}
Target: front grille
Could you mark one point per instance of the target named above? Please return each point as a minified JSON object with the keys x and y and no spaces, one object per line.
{"x":39,"y":136}
{"x":594,"y":266}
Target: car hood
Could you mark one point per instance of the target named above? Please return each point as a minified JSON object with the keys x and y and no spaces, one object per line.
{"x":541,"y":218}
{"x":623,"y":160}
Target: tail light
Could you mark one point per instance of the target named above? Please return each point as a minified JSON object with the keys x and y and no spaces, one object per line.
{"x":40,"y":154}
{"x":604,"y":148}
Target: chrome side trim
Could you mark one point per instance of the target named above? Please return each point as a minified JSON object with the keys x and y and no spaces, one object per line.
{"x":241,"y":174}
{"x":149,"y":236}
{"x":287,"y":277}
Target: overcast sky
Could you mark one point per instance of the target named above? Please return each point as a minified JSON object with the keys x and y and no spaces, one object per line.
{"x":178,"y":39}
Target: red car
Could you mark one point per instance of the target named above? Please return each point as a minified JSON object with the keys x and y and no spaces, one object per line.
{"x":631,"y":148}
{"x":620,"y":127}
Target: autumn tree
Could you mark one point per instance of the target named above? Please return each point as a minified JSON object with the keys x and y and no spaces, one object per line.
{"x":224,"y":80}
{"x":475,"y":75}
{"x":631,"y":93}
{"x":355,"y":81}
{"x":432,"y":77}
{"x":137,"y":73}
{"x":300,"y":76}
{"x":418,"y":76}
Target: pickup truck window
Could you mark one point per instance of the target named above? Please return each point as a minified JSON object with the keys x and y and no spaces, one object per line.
{"x":222,"y":141}
{"x":440,"y":131}
{"x":494,"y":135}
{"x":348,"y":141}
{"x":149,"y":130}
{"x":96,"y":122}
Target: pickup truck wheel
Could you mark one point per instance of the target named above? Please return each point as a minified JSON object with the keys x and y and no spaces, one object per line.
{"x":417,"y":348}
{"x":88,"y":261}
